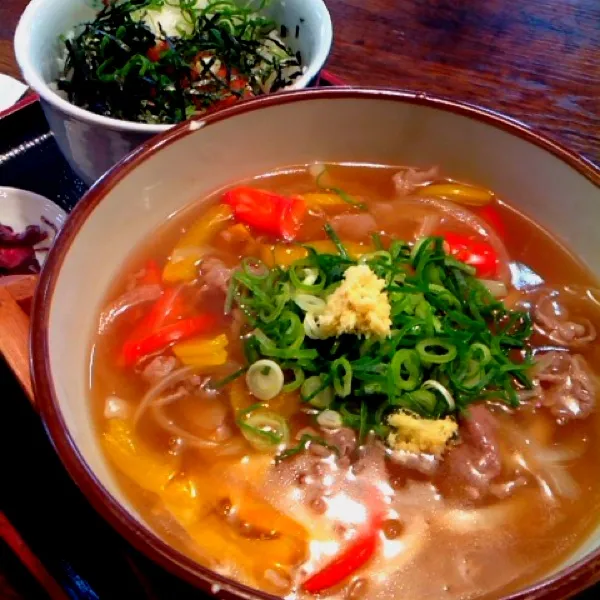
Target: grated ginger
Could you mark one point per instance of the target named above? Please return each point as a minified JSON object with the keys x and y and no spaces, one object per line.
{"x":418,"y":435}
{"x":359,"y":306}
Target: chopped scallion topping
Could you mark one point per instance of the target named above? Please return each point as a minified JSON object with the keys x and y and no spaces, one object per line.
{"x":451,"y":343}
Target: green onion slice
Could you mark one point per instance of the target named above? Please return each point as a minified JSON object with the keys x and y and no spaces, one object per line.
{"x":306,"y":277}
{"x":265,"y":379}
{"x":436,"y":385}
{"x":312,"y":328}
{"x":264,"y":429}
{"x":310,"y":304}
{"x":255,"y":269}
{"x":317,"y":392}
{"x":481,"y":353}
{"x":436,"y":351}
{"x":363,"y":428}
{"x":424,"y":399}
{"x":296,"y":382}
{"x":330,"y":419}
{"x":333,"y":236}
{"x":406,"y":369}
{"x":341,"y":371}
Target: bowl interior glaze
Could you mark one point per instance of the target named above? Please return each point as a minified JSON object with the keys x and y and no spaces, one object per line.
{"x":191,"y":161}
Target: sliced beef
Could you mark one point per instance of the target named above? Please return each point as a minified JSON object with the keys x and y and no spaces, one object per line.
{"x":425,"y":464}
{"x":158,"y":368}
{"x":565,"y":385}
{"x":355,"y":227}
{"x":215,"y":274}
{"x":408,"y":180}
{"x":474,"y":463}
{"x":552,"y":319}
{"x":344,"y":439}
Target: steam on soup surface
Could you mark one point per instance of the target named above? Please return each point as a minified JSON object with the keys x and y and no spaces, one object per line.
{"x":361,"y":382}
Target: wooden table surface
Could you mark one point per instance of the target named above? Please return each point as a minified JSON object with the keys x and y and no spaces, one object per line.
{"x":535,"y":60}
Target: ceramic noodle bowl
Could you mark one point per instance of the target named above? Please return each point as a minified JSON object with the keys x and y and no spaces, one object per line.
{"x":125,"y":240}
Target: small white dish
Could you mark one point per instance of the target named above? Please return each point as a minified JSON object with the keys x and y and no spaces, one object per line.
{"x":11,"y":90}
{"x":20,"y":208}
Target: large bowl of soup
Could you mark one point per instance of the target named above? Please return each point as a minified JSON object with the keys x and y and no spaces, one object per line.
{"x":336,"y":343}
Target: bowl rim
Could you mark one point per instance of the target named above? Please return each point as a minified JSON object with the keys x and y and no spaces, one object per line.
{"x":563,"y":584}
{"x":34,"y":79}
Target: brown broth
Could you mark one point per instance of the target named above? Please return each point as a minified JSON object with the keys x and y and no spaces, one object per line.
{"x":454,"y":548}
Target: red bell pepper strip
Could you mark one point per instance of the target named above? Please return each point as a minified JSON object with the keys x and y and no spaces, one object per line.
{"x":135,"y":349}
{"x":351,"y":559}
{"x":356,"y":554}
{"x":473,"y":252}
{"x":267,"y":212}
{"x":490,"y":215}
{"x":167,"y":308}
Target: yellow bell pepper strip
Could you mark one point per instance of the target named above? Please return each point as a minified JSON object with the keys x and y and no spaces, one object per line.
{"x":156,"y":472}
{"x":238,"y":233}
{"x":240,"y":238}
{"x":280,"y":254}
{"x":355,"y":250}
{"x":254,"y":557}
{"x":151,"y":470}
{"x":192,"y":500}
{"x":214,"y":544}
{"x":284,"y":255}
{"x":183,"y":267}
{"x":321,"y":199}
{"x":267,"y":212}
{"x":283,"y":543}
{"x":260,"y":514}
{"x":458,"y":192}
{"x":202,"y":351}
{"x":184,"y":500}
